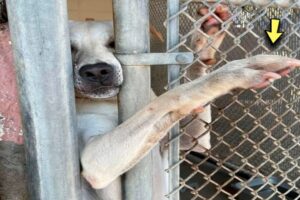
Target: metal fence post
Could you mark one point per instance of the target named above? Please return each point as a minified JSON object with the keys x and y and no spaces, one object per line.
{"x":173,"y":74}
{"x":131,"y":18}
{"x":43,"y":64}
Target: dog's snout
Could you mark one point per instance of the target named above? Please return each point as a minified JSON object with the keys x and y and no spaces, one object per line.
{"x":101,"y":73}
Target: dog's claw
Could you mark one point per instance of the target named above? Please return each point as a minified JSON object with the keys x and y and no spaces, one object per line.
{"x":268,"y":78}
{"x":271,"y":75}
{"x":286,"y":71}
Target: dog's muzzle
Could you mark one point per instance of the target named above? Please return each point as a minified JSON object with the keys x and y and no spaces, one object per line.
{"x":98,"y":81}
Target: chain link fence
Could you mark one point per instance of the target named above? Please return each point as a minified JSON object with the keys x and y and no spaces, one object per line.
{"x":255,"y":134}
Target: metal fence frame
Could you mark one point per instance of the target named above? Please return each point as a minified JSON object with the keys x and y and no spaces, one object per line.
{"x":139,"y":182}
{"x":43,"y":63}
{"x":132,"y":37}
{"x":173,"y":74}
{"x":42,"y":58}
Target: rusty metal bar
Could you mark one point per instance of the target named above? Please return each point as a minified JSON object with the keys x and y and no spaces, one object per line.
{"x":42,"y":58}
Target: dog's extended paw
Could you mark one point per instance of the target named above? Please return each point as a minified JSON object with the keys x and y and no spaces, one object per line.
{"x":259,"y":71}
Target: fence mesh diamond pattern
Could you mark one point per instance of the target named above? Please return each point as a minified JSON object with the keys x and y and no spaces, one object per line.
{"x":255,"y":134}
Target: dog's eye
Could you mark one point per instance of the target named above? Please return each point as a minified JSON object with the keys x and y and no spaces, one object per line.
{"x":111,"y":44}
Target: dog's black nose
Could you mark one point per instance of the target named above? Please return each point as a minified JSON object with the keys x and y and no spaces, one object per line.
{"x":101,"y":73}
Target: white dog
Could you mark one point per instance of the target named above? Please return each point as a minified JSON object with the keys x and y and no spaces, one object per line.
{"x":107,"y":149}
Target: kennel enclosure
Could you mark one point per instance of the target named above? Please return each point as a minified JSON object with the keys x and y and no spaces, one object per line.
{"x":254,"y":133}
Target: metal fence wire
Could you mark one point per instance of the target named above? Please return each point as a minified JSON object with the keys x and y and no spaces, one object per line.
{"x":255,"y":134}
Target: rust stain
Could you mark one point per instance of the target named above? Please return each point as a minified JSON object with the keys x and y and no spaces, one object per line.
{"x":10,"y":120}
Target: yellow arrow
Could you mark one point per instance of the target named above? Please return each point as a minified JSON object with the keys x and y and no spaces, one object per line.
{"x":274,"y":35}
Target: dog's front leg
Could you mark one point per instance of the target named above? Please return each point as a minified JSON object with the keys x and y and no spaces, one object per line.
{"x":108,"y":156}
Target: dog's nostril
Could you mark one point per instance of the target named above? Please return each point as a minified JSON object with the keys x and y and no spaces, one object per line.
{"x":89,"y":74}
{"x":104,"y":72}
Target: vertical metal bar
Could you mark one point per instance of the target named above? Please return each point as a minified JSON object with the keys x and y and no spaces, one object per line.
{"x":131,"y":19}
{"x":173,"y":74}
{"x":42,"y":57}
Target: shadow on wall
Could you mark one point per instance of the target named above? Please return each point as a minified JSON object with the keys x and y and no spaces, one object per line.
{"x":3,"y":13}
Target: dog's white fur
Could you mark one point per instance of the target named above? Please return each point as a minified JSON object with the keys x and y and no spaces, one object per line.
{"x":108,"y":149}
